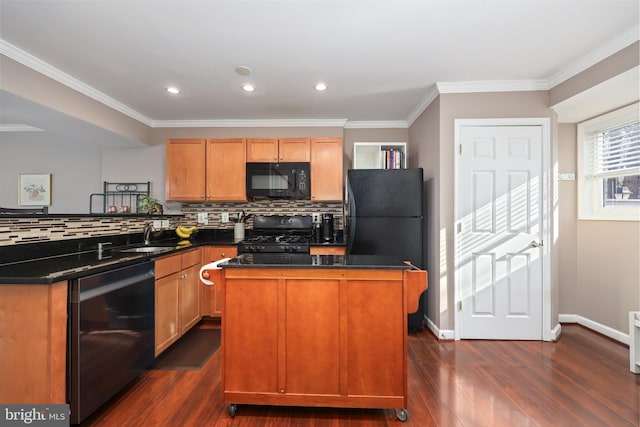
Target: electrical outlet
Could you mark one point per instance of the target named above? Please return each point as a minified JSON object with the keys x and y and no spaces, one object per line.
{"x":315,"y":217}
{"x":224,"y":217}
{"x":203,"y":218}
{"x":157,"y":224}
{"x":165,"y":223}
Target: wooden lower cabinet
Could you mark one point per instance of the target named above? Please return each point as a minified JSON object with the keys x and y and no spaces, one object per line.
{"x":212,"y":294}
{"x":315,"y":337}
{"x":178,"y":296}
{"x":33,"y":343}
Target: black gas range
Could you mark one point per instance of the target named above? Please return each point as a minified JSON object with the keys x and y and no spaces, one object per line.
{"x":278,"y":234}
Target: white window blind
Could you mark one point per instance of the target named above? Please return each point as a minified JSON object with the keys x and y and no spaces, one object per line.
{"x":609,"y":166}
{"x":617,"y":151}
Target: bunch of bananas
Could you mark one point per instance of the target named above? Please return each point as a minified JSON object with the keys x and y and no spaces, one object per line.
{"x":185,"y":232}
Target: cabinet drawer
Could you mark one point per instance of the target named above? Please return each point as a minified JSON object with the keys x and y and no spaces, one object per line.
{"x":214,"y":253}
{"x":327,"y":250}
{"x":168,"y":265}
{"x":191,"y":258}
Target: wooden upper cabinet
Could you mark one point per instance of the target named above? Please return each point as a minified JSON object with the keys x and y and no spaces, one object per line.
{"x":326,"y":169}
{"x":294,"y":149}
{"x":185,"y":169}
{"x":200,"y":170}
{"x":226,"y":169}
{"x":278,"y":150}
{"x":262,"y":150}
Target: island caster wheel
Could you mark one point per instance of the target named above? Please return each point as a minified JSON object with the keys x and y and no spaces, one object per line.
{"x":232,"y":410}
{"x":402,"y":414}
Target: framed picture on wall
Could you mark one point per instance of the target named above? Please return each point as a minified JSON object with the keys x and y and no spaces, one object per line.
{"x":34,"y":189}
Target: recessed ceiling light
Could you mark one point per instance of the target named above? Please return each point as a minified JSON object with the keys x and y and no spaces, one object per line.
{"x":243,"y":70}
{"x":321,"y":86}
{"x":248,"y":87}
{"x":173,"y":90}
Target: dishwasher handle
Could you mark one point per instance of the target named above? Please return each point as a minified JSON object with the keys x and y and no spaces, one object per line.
{"x":112,"y":286}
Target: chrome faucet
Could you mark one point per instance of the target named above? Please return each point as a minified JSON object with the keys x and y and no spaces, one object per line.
{"x":148,"y":228}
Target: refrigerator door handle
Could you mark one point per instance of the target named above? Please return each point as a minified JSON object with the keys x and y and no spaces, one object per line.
{"x":351,"y":217}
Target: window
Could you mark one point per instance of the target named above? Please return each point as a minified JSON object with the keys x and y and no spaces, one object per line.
{"x":609,"y":166}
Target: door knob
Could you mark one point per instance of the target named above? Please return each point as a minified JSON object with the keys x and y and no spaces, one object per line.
{"x":535,"y":244}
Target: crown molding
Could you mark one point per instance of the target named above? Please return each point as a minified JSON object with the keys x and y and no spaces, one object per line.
{"x":492,"y":86}
{"x":381,"y":124}
{"x":19,"y":128}
{"x":432,"y":94}
{"x":26,"y":59}
{"x":248,"y":123}
{"x":603,"y":52}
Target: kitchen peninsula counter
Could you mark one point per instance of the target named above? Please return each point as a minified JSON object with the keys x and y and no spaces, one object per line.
{"x":317,"y":330}
{"x":54,"y":261}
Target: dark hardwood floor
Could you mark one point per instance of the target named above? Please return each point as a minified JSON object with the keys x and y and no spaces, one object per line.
{"x":581,"y":380}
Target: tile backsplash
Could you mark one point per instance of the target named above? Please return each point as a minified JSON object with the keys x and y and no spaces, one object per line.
{"x":50,"y":228}
{"x":259,"y":207}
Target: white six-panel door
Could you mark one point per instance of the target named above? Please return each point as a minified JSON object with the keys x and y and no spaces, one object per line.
{"x":499,"y":232}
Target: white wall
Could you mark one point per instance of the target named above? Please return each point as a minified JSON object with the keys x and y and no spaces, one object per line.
{"x":75,"y":169}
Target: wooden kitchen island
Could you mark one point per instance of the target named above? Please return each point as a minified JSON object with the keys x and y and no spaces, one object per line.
{"x":319,"y":330}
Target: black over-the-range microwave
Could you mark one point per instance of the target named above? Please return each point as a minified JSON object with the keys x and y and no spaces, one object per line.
{"x":286,"y":180}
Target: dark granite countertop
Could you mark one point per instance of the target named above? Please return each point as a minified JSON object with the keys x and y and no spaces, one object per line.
{"x":50,"y":262}
{"x":285,"y":260}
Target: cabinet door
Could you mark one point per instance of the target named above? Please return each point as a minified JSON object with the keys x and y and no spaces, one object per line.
{"x":376,"y":338}
{"x":212,"y":295}
{"x":251,"y":335}
{"x":312,"y":337}
{"x":167,"y":320}
{"x":185,"y":169}
{"x":326,"y":169}
{"x":262,"y":150}
{"x":226,"y":169}
{"x":294,"y":149}
{"x":190,"y":298}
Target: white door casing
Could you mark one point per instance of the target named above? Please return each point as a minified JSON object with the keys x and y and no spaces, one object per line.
{"x":501,"y":217}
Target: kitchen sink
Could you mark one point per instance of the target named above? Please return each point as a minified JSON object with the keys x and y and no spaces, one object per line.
{"x":148,"y":249}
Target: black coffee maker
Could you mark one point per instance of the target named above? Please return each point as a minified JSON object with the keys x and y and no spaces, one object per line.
{"x":327,"y":227}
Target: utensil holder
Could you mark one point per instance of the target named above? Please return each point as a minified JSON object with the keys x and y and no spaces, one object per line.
{"x":238,"y":231}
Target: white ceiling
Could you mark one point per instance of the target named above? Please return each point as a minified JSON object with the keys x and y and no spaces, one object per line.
{"x":380,"y":59}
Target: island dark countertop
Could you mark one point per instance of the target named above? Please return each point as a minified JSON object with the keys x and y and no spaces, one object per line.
{"x":287,"y":260}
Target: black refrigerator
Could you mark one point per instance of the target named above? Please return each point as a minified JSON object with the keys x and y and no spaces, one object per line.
{"x":385,"y":217}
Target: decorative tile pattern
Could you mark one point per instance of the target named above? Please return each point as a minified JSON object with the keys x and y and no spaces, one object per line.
{"x":32,"y":230}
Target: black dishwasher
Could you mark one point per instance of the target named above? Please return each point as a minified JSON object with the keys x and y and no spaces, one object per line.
{"x":111,"y":334}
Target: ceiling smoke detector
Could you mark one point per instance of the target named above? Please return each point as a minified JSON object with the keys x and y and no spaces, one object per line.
{"x":243,"y":70}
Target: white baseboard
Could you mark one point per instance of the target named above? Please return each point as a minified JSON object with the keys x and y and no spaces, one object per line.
{"x":598,"y":327}
{"x":556,"y":332}
{"x":442,"y":334}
